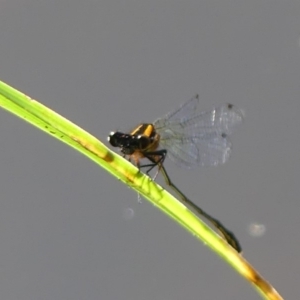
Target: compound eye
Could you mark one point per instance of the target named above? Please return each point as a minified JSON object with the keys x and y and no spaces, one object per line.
{"x":113,"y":139}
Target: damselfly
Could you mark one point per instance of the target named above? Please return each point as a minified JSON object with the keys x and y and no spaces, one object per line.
{"x":190,"y":138}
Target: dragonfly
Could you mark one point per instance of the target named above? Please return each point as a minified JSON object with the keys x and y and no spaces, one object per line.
{"x":190,"y":138}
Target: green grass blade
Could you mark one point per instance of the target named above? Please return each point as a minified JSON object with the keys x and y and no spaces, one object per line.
{"x":60,"y":128}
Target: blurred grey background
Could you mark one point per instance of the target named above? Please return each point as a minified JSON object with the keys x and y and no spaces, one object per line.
{"x":68,"y":230}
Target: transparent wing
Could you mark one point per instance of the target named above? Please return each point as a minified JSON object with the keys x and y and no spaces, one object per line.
{"x":187,"y":109}
{"x":198,"y":138}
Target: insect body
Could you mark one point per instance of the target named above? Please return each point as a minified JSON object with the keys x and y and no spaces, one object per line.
{"x":190,"y":138}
